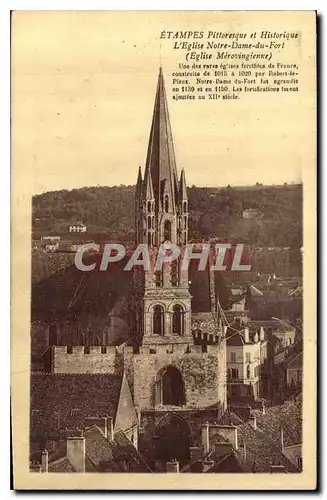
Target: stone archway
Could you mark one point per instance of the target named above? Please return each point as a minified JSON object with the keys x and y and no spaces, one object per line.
{"x":172,"y":440}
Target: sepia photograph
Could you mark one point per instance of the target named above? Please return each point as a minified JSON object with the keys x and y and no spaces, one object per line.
{"x":164,"y":176}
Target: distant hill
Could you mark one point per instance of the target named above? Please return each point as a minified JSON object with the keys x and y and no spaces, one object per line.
{"x":214,"y":213}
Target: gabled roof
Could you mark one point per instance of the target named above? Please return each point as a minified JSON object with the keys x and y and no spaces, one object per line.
{"x":296,"y":361}
{"x":126,"y":416}
{"x":99,"y":449}
{"x":229,"y":463}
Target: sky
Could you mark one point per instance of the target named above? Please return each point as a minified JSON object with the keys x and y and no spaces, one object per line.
{"x":83,"y":88}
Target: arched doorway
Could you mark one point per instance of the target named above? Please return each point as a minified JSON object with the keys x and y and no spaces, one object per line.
{"x":170,"y":388}
{"x":172,"y":440}
{"x":178,"y":320}
{"x":167,"y":230}
{"x":158,"y":320}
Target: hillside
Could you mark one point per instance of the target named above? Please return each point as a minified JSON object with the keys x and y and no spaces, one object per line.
{"x":214,"y":212}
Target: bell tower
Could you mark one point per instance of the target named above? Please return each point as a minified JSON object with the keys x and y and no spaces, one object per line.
{"x":161,"y":204}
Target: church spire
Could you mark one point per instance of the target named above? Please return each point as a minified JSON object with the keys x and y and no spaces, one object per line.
{"x":138,"y":190}
{"x":182,"y":187}
{"x":148,"y":187}
{"x":160,"y":162}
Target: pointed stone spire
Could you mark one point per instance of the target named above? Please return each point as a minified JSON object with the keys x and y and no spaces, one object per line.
{"x":182,"y":187}
{"x":148,"y":193}
{"x":139,"y":182}
{"x":160,"y":162}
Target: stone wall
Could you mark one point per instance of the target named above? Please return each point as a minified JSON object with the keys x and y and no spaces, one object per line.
{"x":82,"y":359}
{"x":201,"y":373}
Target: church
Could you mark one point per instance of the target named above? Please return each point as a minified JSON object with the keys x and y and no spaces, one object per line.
{"x":169,"y":375}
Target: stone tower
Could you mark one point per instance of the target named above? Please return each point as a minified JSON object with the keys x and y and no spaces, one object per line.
{"x":170,"y":370}
{"x":164,"y":302}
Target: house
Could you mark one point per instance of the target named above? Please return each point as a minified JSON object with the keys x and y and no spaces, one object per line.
{"x":91,"y":450}
{"x":246,"y":356}
{"x":78,"y":227}
{"x":254,"y":444}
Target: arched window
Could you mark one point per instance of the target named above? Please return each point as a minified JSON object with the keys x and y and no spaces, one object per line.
{"x":178,"y":320}
{"x":149,"y":206}
{"x":167,"y":231}
{"x":171,"y":387}
{"x":149,"y":239}
{"x":158,"y":320}
{"x":185,"y":222}
{"x":185,"y":206}
{"x":248,"y":371}
{"x":166,"y":203}
{"x":149,"y":221}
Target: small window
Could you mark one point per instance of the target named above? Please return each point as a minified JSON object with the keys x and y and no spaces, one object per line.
{"x":185,"y":206}
{"x":233,"y":357}
{"x":234,"y":373}
{"x":158,"y":279}
{"x":149,"y":206}
{"x":69,"y":349}
{"x":86,"y":349}
{"x":153,"y":351}
{"x":248,"y":357}
{"x":166,"y":203}
{"x":248,"y":371}
{"x":103,"y":349}
{"x":204,"y":348}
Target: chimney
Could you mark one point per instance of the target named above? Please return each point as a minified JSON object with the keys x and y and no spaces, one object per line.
{"x":246,"y":335}
{"x":262,"y":334}
{"x":172,"y":466}
{"x":45,"y":461}
{"x":253,"y":422}
{"x":110,"y":427}
{"x":205,"y":438}
{"x":243,"y":451}
{"x":76,"y":452}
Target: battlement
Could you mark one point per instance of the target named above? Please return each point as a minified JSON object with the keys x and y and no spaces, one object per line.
{"x":84,"y":359}
{"x":84,"y":350}
{"x":182,"y":349}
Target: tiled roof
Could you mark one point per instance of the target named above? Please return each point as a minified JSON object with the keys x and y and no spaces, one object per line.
{"x":261,"y":450}
{"x":287,"y":417}
{"x":99,"y":449}
{"x":229,"y":463}
{"x":295,"y":361}
{"x":64,"y":401}
{"x":61,"y":465}
{"x":126,"y":450}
